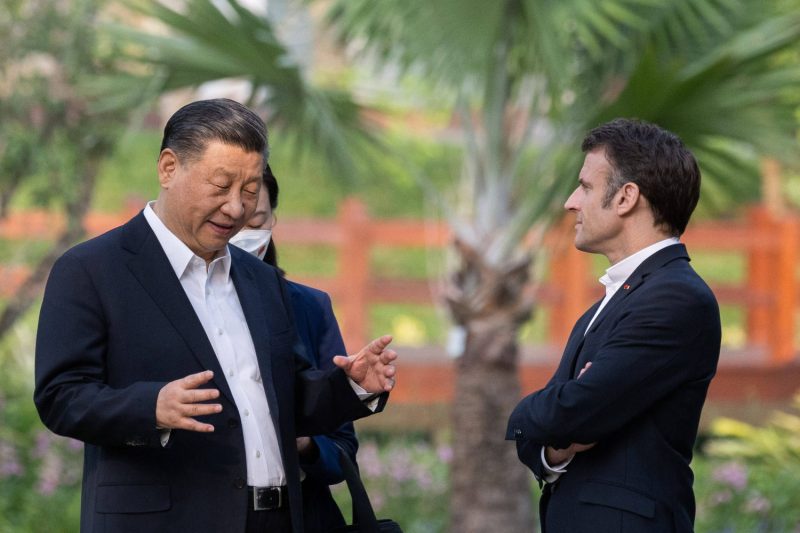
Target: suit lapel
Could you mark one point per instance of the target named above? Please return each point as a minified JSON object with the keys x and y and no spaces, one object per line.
{"x":634,"y":281}
{"x":574,"y":344}
{"x":150,"y":266}
{"x":648,"y":266}
{"x":251,"y":297}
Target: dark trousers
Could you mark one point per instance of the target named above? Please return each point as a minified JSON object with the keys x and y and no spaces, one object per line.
{"x":276,"y":521}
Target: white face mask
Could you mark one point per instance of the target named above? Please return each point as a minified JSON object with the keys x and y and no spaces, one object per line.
{"x":254,"y":241}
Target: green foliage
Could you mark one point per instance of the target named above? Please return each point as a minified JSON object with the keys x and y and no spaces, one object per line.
{"x":751,"y":481}
{"x":210,"y":41}
{"x":22,"y":253}
{"x":129,"y":173}
{"x":409,"y":324}
{"x":56,"y":124}
{"x":39,"y":471}
{"x":716,"y":72}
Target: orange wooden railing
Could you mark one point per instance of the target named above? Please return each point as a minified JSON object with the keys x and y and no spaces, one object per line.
{"x":768,"y":295}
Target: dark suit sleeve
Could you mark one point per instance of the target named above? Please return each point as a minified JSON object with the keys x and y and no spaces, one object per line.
{"x":667,"y":339}
{"x":71,"y":345}
{"x":326,"y":340}
{"x":324,"y":400}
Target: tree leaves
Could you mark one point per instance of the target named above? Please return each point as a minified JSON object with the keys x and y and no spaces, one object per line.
{"x":210,"y":41}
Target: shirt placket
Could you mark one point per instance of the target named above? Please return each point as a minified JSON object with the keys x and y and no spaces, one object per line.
{"x":232,"y":358}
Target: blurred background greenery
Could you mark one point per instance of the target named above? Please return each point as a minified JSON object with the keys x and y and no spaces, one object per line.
{"x":371,"y":99}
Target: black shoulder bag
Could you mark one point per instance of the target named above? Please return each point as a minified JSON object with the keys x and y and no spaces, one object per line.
{"x":364,"y":520}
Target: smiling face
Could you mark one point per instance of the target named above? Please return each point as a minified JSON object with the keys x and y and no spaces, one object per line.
{"x":206,"y":201}
{"x":597,"y":227}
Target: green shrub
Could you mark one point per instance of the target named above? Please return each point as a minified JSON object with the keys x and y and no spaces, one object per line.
{"x":407,"y":480}
{"x":749,"y":480}
{"x":39,"y":472}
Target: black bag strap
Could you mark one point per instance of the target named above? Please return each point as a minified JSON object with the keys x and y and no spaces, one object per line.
{"x":363,"y":514}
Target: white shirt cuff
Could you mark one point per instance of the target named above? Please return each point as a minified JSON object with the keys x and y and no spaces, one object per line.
{"x":552,"y":473}
{"x":165,"y":435}
{"x":364,"y":394}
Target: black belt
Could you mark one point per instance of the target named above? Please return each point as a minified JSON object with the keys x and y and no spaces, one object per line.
{"x":268,"y":498}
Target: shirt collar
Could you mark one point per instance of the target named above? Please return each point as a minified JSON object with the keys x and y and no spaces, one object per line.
{"x":178,"y":254}
{"x":619,"y":272}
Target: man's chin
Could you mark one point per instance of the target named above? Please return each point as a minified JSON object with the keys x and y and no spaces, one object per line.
{"x":583,"y":246}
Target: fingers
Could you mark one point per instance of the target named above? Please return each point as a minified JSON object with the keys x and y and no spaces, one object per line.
{"x":179,"y":402}
{"x":199,"y":395}
{"x":584,"y":369}
{"x":387,"y":356}
{"x":192,"y":381}
{"x":379,"y":345}
{"x":389,"y":371}
{"x":371,"y":367}
{"x":342,"y":362}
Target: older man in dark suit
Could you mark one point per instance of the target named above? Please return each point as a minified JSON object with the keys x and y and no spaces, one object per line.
{"x":612,"y":432}
{"x":171,"y":355}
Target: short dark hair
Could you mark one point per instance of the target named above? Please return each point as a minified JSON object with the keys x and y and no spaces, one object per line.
{"x":657,"y":161}
{"x":193,"y":126}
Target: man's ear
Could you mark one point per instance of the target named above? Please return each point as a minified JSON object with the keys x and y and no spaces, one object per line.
{"x":627,"y":198}
{"x":167,"y":167}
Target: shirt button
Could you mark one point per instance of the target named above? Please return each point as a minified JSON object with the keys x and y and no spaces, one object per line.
{"x":258,"y":454}
{"x":219,"y":331}
{"x":230,"y":372}
{"x":246,"y":412}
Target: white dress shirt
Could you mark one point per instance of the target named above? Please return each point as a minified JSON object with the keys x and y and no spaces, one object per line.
{"x":612,"y":280}
{"x":213,"y":296}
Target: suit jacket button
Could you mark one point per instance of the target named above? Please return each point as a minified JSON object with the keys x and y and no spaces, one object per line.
{"x":517,"y":432}
{"x":238,"y":483}
{"x":233,"y":423}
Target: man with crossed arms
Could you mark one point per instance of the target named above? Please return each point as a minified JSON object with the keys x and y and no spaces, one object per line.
{"x":612,"y":432}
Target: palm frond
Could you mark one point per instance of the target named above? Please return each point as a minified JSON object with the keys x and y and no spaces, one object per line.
{"x":210,"y":41}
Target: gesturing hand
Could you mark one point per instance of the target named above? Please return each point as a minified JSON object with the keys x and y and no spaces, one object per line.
{"x":372,"y":366}
{"x":181,"y":400}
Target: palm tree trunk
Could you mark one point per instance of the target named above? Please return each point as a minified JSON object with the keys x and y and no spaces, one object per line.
{"x":491,"y":490}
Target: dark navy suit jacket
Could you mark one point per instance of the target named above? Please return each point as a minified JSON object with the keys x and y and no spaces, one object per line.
{"x":654,"y":349}
{"x":115,"y":327}
{"x":321,"y":339}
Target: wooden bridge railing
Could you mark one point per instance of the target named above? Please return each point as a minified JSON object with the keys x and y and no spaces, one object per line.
{"x":768,"y":294}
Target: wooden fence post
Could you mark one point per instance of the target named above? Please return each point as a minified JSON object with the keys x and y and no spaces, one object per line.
{"x":569,"y":275}
{"x":784,"y":287}
{"x":758,"y":277}
{"x":354,"y":275}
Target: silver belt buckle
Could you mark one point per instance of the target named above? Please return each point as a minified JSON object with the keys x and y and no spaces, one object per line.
{"x":257,"y":506}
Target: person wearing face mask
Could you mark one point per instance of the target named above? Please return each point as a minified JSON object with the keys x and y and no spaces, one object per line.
{"x":319,"y":333}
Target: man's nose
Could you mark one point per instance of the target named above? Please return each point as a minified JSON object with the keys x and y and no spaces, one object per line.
{"x":571,"y":204}
{"x":233,"y":206}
